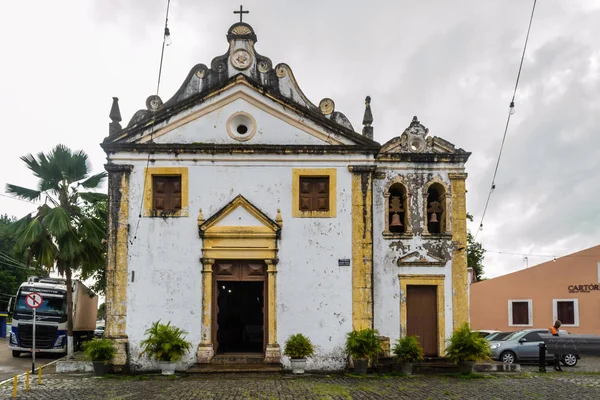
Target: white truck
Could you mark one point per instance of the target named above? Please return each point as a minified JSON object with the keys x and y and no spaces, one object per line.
{"x":51,"y":316}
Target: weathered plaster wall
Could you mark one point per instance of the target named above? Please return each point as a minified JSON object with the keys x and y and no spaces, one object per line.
{"x":387,"y":251}
{"x":314,"y":295}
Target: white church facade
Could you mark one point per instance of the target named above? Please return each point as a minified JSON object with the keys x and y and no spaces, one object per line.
{"x":243,"y":213}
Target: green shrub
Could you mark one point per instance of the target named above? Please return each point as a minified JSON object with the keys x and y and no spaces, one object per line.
{"x":408,"y":350}
{"x":363,"y":344}
{"x":99,"y":350}
{"x":466,"y":345}
{"x":298,"y":346}
{"x":165,"y":342}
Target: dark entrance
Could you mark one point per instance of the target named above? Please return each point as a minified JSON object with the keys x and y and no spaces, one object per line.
{"x":421,"y":316}
{"x":240,"y":316}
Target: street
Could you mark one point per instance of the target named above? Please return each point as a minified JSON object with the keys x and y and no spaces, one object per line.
{"x":10,"y":366}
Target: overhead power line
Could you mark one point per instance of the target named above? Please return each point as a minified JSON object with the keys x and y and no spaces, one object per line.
{"x":166,"y":42}
{"x":511,"y":111}
{"x":16,"y":198}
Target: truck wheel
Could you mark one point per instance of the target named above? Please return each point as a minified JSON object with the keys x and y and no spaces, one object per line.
{"x":16,"y":354}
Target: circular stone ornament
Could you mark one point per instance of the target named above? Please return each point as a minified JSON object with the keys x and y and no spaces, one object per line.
{"x":153,"y":103}
{"x":327,"y":106}
{"x":241,"y":59}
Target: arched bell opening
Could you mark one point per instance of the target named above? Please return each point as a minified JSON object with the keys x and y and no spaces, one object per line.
{"x":397,"y":209}
{"x":436,"y":209}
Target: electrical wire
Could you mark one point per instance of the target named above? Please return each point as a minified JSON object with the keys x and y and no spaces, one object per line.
{"x":166,"y":33}
{"x":10,"y":259}
{"x":16,"y":198}
{"x":510,"y":112}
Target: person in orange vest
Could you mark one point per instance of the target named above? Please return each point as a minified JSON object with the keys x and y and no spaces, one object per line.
{"x":555,"y":332}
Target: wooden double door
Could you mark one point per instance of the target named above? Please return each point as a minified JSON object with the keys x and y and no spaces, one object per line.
{"x":422,"y":316}
{"x":239,"y":307}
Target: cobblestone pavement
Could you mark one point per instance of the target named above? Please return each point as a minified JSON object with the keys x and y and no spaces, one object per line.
{"x":585,"y":364}
{"x":266,"y":387}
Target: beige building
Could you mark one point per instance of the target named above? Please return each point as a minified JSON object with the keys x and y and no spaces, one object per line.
{"x":567,"y":289}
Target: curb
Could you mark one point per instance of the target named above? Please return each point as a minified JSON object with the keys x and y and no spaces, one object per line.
{"x":24,"y":373}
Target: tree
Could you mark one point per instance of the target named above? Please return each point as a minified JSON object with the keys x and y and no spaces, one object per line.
{"x":60,"y":234}
{"x":102,"y":311}
{"x":99,"y":212}
{"x":13,"y":271}
{"x":475,"y":253}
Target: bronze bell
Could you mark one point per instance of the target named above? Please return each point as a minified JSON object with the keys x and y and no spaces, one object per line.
{"x":433,"y":218}
{"x":396,"y":220}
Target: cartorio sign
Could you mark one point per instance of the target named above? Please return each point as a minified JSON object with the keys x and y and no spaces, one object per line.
{"x":583,"y":288}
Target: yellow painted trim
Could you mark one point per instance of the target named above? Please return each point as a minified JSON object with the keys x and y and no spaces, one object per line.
{"x":362,"y":251}
{"x":239,"y":242}
{"x":430,"y":280}
{"x":148,"y":189}
{"x":239,"y":94}
{"x":460,"y":284}
{"x":314,"y":172}
{"x":239,"y":201}
{"x":272,"y":299}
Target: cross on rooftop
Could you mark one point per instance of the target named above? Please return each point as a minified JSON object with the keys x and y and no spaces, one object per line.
{"x":241,"y":12}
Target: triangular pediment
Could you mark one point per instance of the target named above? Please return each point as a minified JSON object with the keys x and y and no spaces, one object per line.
{"x":417,"y":259}
{"x":239,"y":215}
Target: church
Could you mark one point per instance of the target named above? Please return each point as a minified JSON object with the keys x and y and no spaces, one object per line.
{"x":243,"y":213}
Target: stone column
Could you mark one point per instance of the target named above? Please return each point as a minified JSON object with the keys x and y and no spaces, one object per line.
{"x":460,"y":299}
{"x":273,"y":352}
{"x":206,"y":349}
{"x":362,"y":246}
{"x":116,"y":262}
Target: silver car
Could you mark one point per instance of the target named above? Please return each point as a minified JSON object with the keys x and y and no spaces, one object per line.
{"x":524,"y":346}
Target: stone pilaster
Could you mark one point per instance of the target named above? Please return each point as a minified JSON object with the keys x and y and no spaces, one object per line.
{"x":273,"y":351}
{"x":460,"y":299}
{"x":206,"y":348}
{"x":116,"y":266}
{"x":362,"y":246}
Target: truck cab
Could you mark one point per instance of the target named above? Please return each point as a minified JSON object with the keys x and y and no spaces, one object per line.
{"x":51,"y":316}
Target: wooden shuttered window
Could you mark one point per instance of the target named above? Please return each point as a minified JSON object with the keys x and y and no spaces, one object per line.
{"x":565,"y":312}
{"x":166,"y":192}
{"x":520,"y":313}
{"x":314,"y":193}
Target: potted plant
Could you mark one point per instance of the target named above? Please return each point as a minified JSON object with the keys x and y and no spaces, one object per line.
{"x":466,"y":347}
{"x":100,"y":351}
{"x":165,"y":344}
{"x":363,"y":345}
{"x":297,"y":348}
{"x":407,"y":351}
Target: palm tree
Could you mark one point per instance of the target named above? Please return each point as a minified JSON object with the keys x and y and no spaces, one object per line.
{"x":62,"y":233}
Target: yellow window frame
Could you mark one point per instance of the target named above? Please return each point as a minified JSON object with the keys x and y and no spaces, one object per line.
{"x":149,"y":173}
{"x":297,"y":173}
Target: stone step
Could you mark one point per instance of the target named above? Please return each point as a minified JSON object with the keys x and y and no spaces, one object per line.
{"x":228,"y":368}
{"x":238,"y":358}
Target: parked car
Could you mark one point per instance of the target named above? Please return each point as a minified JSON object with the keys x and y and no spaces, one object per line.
{"x":524,"y":346}
{"x":485,"y":333}
{"x":497,"y":336}
{"x":99,"y":331}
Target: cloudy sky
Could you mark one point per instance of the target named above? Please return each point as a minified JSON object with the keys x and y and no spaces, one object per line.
{"x":451,"y":63}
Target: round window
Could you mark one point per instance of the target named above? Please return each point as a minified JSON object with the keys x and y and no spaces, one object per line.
{"x":241,"y":126}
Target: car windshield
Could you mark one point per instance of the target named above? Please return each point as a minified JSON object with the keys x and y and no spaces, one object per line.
{"x":50,"y":305}
{"x":512,"y":335}
{"x":497,"y":336}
